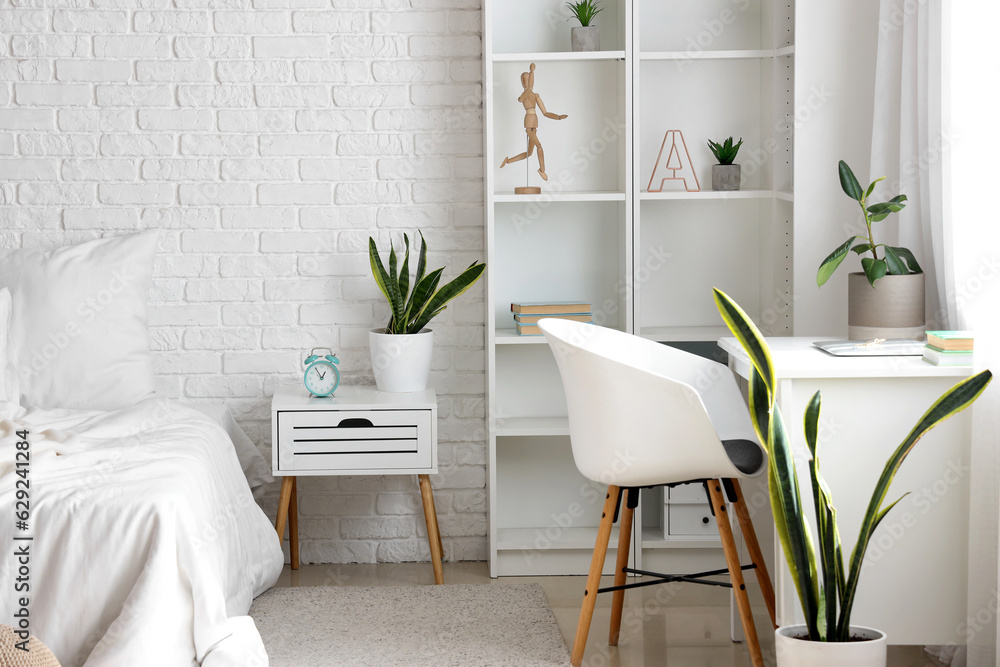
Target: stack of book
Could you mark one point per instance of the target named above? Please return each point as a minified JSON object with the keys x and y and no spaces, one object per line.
{"x":949,"y":348}
{"x":526,"y":315}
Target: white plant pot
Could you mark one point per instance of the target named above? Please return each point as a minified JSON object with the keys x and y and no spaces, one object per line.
{"x":401,"y":362}
{"x":792,"y":652}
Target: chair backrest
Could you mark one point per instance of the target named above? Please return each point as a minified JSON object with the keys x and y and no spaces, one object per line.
{"x":643,"y":413}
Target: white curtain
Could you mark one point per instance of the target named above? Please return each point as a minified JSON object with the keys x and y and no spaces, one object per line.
{"x":937,"y":66}
{"x":908,"y":143}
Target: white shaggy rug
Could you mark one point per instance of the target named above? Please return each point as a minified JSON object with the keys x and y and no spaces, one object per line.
{"x":385,"y":626}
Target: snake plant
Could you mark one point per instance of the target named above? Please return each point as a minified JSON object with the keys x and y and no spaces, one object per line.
{"x":826,"y":588}
{"x":411,"y":311}
{"x":895,"y":261}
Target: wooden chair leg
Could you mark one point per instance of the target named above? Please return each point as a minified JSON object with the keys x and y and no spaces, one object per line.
{"x":283,"y":501}
{"x":624,"y":542}
{"x":594,"y":578}
{"x":293,"y":524}
{"x":735,"y":572}
{"x":433,"y":533}
{"x":753,"y":548}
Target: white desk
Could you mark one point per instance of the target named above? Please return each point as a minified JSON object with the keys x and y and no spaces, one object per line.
{"x":914,"y":583}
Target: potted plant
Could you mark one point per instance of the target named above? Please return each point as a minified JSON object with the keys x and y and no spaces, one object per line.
{"x":585,"y":37}
{"x":725,"y":175}
{"x":826,"y":587}
{"x":401,"y":350}
{"x":887,"y":299}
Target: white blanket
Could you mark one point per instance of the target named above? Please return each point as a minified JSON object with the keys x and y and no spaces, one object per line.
{"x":148,"y":546}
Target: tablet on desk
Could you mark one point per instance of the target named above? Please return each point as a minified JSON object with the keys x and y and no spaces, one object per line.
{"x":893,"y":347}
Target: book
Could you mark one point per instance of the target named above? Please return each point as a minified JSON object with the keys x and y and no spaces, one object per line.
{"x":950,"y":340}
{"x":551,"y":308}
{"x":528,"y":329}
{"x":953,"y":358}
{"x":533,"y":319}
{"x":949,"y":352}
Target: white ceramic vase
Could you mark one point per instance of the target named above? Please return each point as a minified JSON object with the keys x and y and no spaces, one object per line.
{"x":792,"y":652}
{"x":894,"y":308}
{"x":401,"y":362}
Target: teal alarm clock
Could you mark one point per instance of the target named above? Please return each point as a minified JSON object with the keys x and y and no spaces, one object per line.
{"x":321,"y":377}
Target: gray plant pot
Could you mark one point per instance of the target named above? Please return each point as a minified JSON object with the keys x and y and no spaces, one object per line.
{"x":726,"y":176}
{"x":894,"y":308}
{"x":586,"y":39}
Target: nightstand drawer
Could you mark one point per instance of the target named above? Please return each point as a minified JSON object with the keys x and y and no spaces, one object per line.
{"x":692,"y":520}
{"x":346,"y":440}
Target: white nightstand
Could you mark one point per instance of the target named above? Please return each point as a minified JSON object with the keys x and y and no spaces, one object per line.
{"x":358,"y":431}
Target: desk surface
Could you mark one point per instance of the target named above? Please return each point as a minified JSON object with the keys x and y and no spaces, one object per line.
{"x":795,"y":357}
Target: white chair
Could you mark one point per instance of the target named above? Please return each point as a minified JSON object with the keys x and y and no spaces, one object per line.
{"x":644,"y":414}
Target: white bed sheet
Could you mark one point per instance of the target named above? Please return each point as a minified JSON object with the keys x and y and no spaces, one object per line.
{"x":148,"y":546}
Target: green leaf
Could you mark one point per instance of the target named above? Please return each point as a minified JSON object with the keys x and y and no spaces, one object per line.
{"x":422,"y":293}
{"x":404,"y":272}
{"x":386,"y":284}
{"x":436,"y":304}
{"x":862,"y":248}
{"x":826,"y":524}
{"x":750,"y":339}
{"x":908,"y":256}
{"x":871,"y":188}
{"x":885,"y":207}
{"x":874,"y":269}
{"x":878,"y":217}
{"x":833,"y":260}
{"x":849,"y":183}
{"x":894,"y":264}
{"x":783,"y":485}
{"x":953,"y":401}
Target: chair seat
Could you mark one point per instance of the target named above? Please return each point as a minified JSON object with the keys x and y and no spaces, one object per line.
{"x":745,"y":455}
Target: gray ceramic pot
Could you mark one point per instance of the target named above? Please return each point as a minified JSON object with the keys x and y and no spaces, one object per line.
{"x":586,"y":39}
{"x":894,"y":308}
{"x":726,"y":176}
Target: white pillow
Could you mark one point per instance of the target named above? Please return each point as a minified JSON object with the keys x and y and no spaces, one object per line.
{"x":79,"y":322}
{"x":8,"y":375}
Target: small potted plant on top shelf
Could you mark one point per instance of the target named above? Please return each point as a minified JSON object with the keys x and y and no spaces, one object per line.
{"x":887,"y":299}
{"x":401,"y":350}
{"x":585,"y":37}
{"x":725,"y":175}
{"x":826,"y":584}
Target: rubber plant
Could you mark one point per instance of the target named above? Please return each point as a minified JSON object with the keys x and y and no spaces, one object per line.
{"x":826,"y":586}
{"x":411,"y":310}
{"x":584,"y":11}
{"x":895,"y":261}
{"x":725,"y":152}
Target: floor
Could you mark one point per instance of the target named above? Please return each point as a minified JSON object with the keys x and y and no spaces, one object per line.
{"x":674,"y":625}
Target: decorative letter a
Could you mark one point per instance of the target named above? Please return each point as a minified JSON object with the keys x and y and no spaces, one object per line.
{"x":677,"y":163}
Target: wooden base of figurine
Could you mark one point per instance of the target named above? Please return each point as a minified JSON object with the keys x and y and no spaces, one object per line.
{"x":528,"y":190}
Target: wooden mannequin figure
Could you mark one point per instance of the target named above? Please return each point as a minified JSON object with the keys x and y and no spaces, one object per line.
{"x":530,"y":99}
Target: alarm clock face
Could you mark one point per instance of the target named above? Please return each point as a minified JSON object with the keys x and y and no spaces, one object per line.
{"x":322,"y":378}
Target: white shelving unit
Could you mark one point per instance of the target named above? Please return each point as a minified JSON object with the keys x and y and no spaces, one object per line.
{"x":646,"y":261}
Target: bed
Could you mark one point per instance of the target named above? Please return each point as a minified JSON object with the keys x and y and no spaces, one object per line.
{"x":146,"y":544}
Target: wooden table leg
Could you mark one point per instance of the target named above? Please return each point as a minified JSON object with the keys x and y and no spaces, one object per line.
{"x":433,"y":534}
{"x":283,"y":500}
{"x":293,"y":524}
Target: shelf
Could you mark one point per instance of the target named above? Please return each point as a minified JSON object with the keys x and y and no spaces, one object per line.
{"x":555,"y":56}
{"x":511,"y":337}
{"x":533,"y":426}
{"x":511,"y":198}
{"x":653,"y":538}
{"x":672,"y":334}
{"x":741,"y":54}
{"x":529,"y":539}
{"x":716,"y":194}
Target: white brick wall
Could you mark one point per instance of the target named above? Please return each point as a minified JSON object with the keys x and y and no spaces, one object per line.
{"x":267,"y":139}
